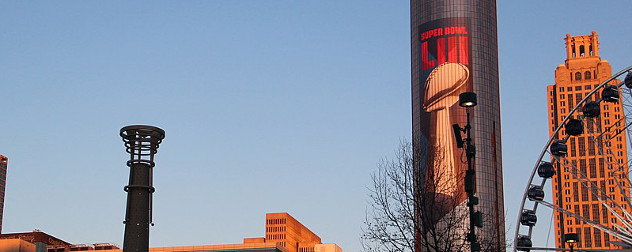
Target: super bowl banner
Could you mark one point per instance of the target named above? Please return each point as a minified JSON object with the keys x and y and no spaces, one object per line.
{"x":444,"y":74}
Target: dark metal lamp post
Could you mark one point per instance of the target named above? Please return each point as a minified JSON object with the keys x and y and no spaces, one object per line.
{"x":141,"y":142}
{"x":571,"y":239}
{"x":468,"y":100}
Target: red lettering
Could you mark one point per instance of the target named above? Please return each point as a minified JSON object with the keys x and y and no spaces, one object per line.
{"x":425,"y":55}
{"x":426,"y":35}
{"x":455,"y":30}
{"x":463,"y":50}
{"x":441,"y":51}
{"x":431,"y":33}
{"x":452,"y":49}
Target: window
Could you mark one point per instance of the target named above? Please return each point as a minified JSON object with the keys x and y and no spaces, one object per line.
{"x":578,"y":76}
{"x":593,"y":168}
{"x":582,"y":149}
{"x":573,"y":150}
{"x":587,"y":237}
{"x":591,"y":145}
{"x":595,"y":212}
{"x":587,"y":75}
{"x":597,"y":238}
{"x":578,"y":97}
{"x":586,"y":211}
{"x":585,"y":197}
{"x":582,"y":167}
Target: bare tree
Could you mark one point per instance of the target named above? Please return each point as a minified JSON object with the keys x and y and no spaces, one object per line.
{"x":417,"y":210}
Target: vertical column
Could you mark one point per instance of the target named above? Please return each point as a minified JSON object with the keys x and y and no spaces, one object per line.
{"x":3,"y":180}
{"x":595,"y":43}
{"x":569,"y":50}
{"x":141,"y":142}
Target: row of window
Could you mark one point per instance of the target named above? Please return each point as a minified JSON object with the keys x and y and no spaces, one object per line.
{"x":276,"y":237}
{"x":276,"y":229}
{"x":307,"y":249}
{"x":275,"y":221}
{"x":582,"y":50}
{"x":578,"y":88}
{"x":587,"y":75}
{"x":587,"y":237}
{"x":595,"y":147}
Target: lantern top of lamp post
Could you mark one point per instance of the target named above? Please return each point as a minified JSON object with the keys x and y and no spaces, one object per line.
{"x":467,"y":99}
{"x":133,"y":131}
{"x":142,"y":140}
{"x":571,"y":238}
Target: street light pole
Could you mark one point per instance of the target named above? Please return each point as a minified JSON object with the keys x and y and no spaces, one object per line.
{"x":571,"y":239}
{"x":468,"y":100}
{"x":141,"y":142}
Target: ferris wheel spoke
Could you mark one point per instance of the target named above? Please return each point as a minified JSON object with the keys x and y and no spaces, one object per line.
{"x":598,"y":193}
{"x":609,"y":158}
{"x":624,"y":236}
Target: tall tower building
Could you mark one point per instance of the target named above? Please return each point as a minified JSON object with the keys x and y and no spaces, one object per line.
{"x":454,"y":49}
{"x":3,"y":181}
{"x":581,"y":72}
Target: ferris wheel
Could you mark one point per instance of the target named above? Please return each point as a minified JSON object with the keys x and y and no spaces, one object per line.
{"x":598,"y":176}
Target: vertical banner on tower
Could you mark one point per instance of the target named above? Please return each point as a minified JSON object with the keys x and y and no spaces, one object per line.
{"x":445,"y":73}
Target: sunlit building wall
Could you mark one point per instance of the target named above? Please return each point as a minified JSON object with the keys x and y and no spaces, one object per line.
{"x":283,"y":234}
{"x":581,"y":72}
{"x":283,"y":228}
{"x":454,"y":49}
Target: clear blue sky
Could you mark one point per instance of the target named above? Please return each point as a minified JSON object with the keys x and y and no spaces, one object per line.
{"x":268,"y":106}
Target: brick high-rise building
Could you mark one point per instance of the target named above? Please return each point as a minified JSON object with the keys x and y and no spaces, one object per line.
{"x":3,"y":181}
{"x":582,"y":71}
